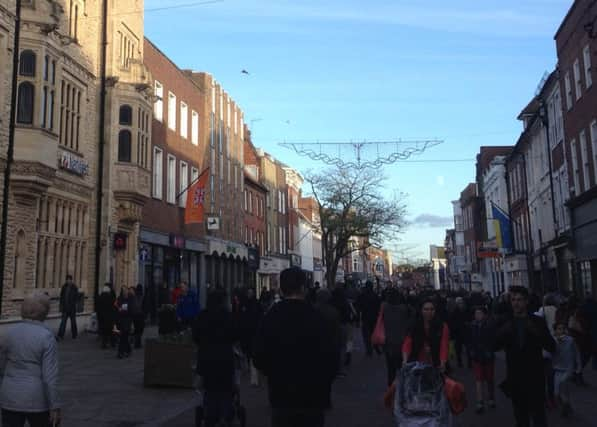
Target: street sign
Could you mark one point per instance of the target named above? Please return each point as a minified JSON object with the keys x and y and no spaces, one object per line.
{"x":213,"y":223}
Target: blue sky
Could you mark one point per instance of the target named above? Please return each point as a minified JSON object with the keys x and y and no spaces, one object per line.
{"x":347,"y":70}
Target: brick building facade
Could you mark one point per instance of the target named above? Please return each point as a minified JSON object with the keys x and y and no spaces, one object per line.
{"x":576,"y":42}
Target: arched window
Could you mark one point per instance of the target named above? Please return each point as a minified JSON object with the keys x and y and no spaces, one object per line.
{"x":124,"y":146}
{"x":126,"y":115}
{"x":27,"y":63}
{"x":26,"y":100}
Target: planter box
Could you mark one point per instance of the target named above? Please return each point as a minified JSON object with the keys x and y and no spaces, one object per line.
{"x":168,"y":364}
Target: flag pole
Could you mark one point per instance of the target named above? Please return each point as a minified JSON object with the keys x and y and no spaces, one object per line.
{"x":191,"y":184}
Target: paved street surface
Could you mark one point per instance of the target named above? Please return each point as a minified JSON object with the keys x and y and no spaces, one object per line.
{"x":100,"y":390}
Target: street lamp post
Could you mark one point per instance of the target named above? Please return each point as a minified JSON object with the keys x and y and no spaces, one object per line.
{"x":11,"y":143}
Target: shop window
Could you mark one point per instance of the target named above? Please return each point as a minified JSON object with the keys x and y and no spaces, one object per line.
{"x":27,"y":63}
{"x":26,"y":97}
{"x":124,"y":146}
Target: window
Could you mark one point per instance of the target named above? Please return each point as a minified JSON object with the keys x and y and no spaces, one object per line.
{"x":26,"y":99}
{"x":195,"y":128}
{"x":158,"y":107}
{"x":143,"y":138}
{"x":250,"y":197}
{"x":594,"y":145}
{"x":184,"y":183}
{"x":126,"y":115}
{"x":70,"y":115}
{"x":27,"y":63}
{"x":245,"y":205}
{"x":568,"y":88}
{"x":171,"y":111}
{"x":124,"y":146}
{"x":171,"y":195}
{"x":586,"y":53}
{"x":184,"y":120}
{"x":577,"y":82}
{"x":46,"y":68}
{"x":48,"y":95}
{"x":74,"y":18}
{"x":575,"y":169}
{"x":584,"y":158}
{"x":158,"y":163}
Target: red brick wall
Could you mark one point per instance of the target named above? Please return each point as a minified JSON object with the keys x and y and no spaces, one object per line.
{"x":570,"y":41}
{"x":158,"y":214}
{"x":254,"y":220}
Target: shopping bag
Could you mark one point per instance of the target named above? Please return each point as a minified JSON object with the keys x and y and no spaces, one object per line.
{"x":379,"y":333}
{"x":455,"y":394}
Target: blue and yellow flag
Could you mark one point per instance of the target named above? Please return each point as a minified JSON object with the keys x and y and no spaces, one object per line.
{"x":503,"y":228}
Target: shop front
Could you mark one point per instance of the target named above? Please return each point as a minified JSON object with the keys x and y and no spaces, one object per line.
{"x":226,"y":264}
{"x":268,"y":275}
{"x":168,"y":259}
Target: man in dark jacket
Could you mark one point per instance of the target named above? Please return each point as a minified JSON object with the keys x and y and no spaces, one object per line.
{"x":368,"y":304}
{"x":68,"y":307}
{"x":297,"y":355}
{"x":215,"y":334}
{"x":523,"y":337}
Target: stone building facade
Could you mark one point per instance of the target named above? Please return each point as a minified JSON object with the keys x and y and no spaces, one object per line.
{"x":52,"y":202}
{"x":127,"y":154}
{"x":53,"y":194}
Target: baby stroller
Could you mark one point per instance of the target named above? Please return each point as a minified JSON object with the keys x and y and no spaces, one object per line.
{"x":238,"y":413}
{"x":420,"y":400}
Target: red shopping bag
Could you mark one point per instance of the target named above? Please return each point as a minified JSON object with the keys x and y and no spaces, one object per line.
{"x":379,"y":333}
{"x":456,"y":395}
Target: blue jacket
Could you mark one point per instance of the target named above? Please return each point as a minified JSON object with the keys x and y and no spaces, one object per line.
{"x":188,"y":306}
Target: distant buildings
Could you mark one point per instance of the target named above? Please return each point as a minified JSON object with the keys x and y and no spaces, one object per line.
{"x":544,"y":188}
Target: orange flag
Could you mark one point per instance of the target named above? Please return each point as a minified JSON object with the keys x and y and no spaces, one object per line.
{"x":195,"y":207}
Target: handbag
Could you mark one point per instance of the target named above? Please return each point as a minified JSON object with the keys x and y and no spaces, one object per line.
{"x":378,"y":337}
{"x":455,"y":394}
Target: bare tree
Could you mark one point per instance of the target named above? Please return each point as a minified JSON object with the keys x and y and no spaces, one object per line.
{"x":352,"y":208}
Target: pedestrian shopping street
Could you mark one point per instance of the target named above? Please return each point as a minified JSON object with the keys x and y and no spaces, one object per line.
{"x":99,"y":390}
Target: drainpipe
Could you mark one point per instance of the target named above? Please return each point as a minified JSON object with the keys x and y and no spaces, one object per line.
{"x":11,"y":144}
{"x":543,"y":113}
{"x":101,"y":147}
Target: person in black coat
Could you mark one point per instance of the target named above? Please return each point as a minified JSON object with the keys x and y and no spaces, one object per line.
{"x":297,"y":355}
{"x":250,"y":316}
{"x":106,"y":314}
{"x":523,"y":337}
{"x":215,"y":333}
{"x":125,"y":320}
{"x":138,"y":315}
{"x":69,"y":295}
{"x":368,"y":305}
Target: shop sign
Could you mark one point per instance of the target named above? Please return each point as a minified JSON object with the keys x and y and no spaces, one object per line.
{"x":120,"y":241}
{"x":295,"y":260}
{"x":72,"y":163}
{"x":253,"y":261}
{"x":177,"y":241}
{"x":144,"y":254}
{"x":213,"y":222}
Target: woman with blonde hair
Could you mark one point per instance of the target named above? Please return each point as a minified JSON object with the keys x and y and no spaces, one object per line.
{"x":29,"y":369}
